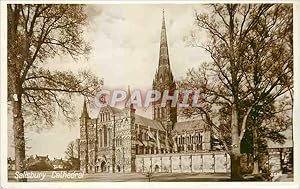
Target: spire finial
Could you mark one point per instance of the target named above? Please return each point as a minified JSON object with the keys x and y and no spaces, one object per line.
{"x":163,"y":19}
{"x":129,"y":90}
{"x":84,"y":104}
{"x":128,"y":100}
{"x":128,"y":103}
{"x":84,"y":109}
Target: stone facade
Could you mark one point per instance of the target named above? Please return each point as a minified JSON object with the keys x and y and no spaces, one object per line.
{"x":117,"y":136}
{"x":98,"y":135}
{"x":114,"y":140}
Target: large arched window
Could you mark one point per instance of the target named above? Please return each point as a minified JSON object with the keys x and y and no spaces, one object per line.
{"x":200,"y":142}
{"x":109,"y":137}
{"x":100,"y":138}
{"x":137,"y":149}
{"x":105,"y":135}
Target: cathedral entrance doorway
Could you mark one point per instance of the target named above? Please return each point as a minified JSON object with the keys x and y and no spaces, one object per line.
{"x":118,"y":168}
{"x":103,"y":166}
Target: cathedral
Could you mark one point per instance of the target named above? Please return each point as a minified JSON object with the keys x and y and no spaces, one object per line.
{"x":120,"y":140}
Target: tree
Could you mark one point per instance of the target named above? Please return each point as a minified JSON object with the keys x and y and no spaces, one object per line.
{"x":37,"y":33}
{"x":226,"y":84}
{"x":73,"y":153}
{"x":264,"y":123}
{"x":270,"y":66}
{"x":70,"y":150}
{"x":73,"y":149}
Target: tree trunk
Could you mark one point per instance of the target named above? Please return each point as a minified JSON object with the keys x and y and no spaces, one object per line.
{"x":18,"y":127}
{"x":236,"y":150}
{"x":255,"y":152}
{"x":235,"y":167}
{"x":255,"y":167}
{"x":78,"y":150}
{"x":235,"y":134}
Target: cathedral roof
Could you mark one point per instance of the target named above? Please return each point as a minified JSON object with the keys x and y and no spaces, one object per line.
{"x":138,"y":118}
{"x":110,"y":109}
{"x":148,"y":122}
{"x":189,"y":125}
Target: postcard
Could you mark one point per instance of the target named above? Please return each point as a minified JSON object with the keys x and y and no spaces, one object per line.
{"x":150,"y":94}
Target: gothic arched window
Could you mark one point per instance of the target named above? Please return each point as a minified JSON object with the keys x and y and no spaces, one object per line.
{"x":201,"y":140}
{"x":100,"y":138}
{"x":105,"y":135}
{"x":109,"y":137}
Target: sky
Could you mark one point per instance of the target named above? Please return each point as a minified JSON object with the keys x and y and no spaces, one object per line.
{"x":125,"y":51}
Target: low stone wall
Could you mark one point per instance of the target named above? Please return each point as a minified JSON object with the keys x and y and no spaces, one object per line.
{"x":206,"y":162}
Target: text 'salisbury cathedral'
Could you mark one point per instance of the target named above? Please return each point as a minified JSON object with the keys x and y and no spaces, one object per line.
{"x":119,"y":140}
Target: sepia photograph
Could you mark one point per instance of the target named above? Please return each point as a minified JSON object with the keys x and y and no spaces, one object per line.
{"x":151,"y":92}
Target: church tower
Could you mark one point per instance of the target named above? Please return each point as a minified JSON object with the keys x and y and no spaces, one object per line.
{"x":84,"y":139}
{"x":163,"y":80}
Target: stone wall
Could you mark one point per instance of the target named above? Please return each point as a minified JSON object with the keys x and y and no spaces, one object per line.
{"x":206,"y":162}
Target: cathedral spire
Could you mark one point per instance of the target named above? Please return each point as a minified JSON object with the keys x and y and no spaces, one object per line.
{"x":164,"y":74}
{"x":163,"y":53}
{"x":84,"y":110}
{"x":163,"y":80}
{"x":163,"y":20}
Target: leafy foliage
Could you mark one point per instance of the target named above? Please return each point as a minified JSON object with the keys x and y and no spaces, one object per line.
{"x":248,"y":85}
{"x":36,"y":34}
